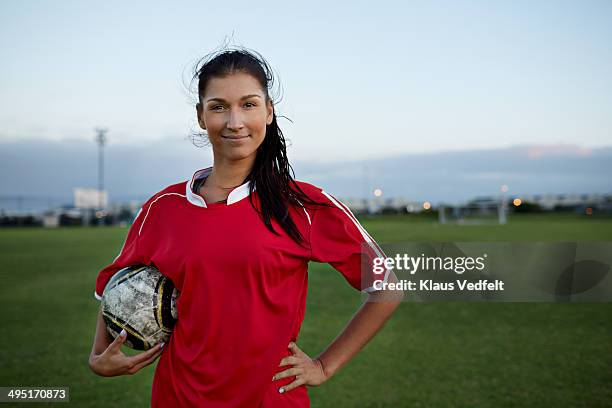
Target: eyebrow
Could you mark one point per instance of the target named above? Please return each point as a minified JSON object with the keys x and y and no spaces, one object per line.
{"x":223,"y":100}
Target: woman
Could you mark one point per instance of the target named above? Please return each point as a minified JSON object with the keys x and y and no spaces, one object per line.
{"x":241,"y":264}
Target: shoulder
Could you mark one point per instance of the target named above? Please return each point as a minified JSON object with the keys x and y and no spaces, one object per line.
{"x":177,"y":189}
{"x":312,"y":191}
{"x":317,"y":194}
{"x":331,"y":217}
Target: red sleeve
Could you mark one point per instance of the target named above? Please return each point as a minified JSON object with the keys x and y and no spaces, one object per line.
{"x":128,"y":255}
{"x":337,"y":238}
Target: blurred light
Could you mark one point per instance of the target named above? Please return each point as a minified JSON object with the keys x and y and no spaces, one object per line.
{"x":100,"y":214}
{"x":589,"y":211}
{"x":504,"y":188}
{"x":517,"y":202}
{"x":377,"y":192}
{"x":426,"y":205}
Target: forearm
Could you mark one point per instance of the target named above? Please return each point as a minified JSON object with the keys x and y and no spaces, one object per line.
{"x":102,"y":337}
{"x":368,"y":320}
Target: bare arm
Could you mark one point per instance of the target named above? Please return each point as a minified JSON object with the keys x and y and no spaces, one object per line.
{"x":102,"y":338}
{"x":367,"y":321}
{"x":107,"y":359}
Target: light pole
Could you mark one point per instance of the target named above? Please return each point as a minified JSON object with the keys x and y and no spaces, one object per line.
{"x":501,"y":210}
{"x":101,"y":140}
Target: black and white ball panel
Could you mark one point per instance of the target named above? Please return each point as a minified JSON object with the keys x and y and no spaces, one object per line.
{"x":142,"y":301}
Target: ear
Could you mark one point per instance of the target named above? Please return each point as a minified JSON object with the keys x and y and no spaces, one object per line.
{"x":270,"y":116}
{"x":199,"y":110}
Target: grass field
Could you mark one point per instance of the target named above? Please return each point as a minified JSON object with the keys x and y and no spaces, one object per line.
{"x":428,"y":354}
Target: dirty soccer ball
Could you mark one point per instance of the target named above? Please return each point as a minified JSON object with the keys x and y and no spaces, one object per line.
{"x":142,"y":301}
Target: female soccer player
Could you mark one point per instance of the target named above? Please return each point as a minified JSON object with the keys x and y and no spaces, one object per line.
{"x":236,"y":239}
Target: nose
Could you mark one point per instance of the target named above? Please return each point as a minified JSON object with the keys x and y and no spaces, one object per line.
{"x":235,"y":120}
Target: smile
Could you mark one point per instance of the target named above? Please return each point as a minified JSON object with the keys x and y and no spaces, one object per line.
{"x":234,"y":137}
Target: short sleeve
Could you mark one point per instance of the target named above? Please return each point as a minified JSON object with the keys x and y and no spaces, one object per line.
{"x":337,"y":238}
{"x":128,"y":255}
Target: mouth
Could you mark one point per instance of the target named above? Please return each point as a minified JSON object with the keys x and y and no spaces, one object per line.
{"x":235,"y":137}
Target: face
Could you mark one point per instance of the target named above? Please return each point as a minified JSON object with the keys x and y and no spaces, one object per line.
{"x":234,"y":113}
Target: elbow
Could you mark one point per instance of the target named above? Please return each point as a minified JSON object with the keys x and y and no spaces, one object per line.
{"x":397,"y":296}
{"x":394,"y":297}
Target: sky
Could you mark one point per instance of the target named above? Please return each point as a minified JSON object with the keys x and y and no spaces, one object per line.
{"x":135,"y":173}
{"x":358,"y":79}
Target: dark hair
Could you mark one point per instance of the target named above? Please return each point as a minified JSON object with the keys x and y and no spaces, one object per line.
{"x":271,"y":173}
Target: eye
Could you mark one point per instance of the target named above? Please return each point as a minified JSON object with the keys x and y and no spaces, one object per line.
{"x":216,"y":106}
{"x":250,"y":103}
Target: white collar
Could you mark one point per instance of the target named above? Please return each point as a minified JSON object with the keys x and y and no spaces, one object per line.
{"x":234,"y":196}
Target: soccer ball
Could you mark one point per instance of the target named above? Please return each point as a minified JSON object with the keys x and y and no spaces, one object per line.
{"x":142,"y":301}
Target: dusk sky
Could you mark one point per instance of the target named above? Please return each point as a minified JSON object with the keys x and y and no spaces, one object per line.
{"x":366,"y":79}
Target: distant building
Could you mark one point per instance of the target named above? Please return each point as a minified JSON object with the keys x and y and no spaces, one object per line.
{"x":90,"y":198}
{"x":602,"y":202}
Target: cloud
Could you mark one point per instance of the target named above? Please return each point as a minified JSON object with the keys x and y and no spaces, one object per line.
{"x":536,"y":152}
{"x":48,"y":170}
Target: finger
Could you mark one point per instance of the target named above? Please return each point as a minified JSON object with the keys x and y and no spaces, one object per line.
{"x":291,"y":386}
{"x":145,"y":355}
{"x":288,"y":373}
{"x":145,"y":363}
{"x":295,"y":349}
{"x":119,"y":340}
{"x":289,"y":360}
{"x":148,"y":361}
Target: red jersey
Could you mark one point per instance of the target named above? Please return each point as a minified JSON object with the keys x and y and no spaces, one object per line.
{"x":242,"y":289}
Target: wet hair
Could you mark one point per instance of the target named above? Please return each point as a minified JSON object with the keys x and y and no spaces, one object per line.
{"x":271,"y":173}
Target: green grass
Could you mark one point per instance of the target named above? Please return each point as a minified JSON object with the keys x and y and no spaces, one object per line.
{"x":427,"y":355}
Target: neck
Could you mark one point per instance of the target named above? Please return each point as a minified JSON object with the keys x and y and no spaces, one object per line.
{"x":228,"y":174}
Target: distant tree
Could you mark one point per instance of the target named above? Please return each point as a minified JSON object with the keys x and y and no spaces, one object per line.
{"x":528,"y":207}
{"x":564,"y":208}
